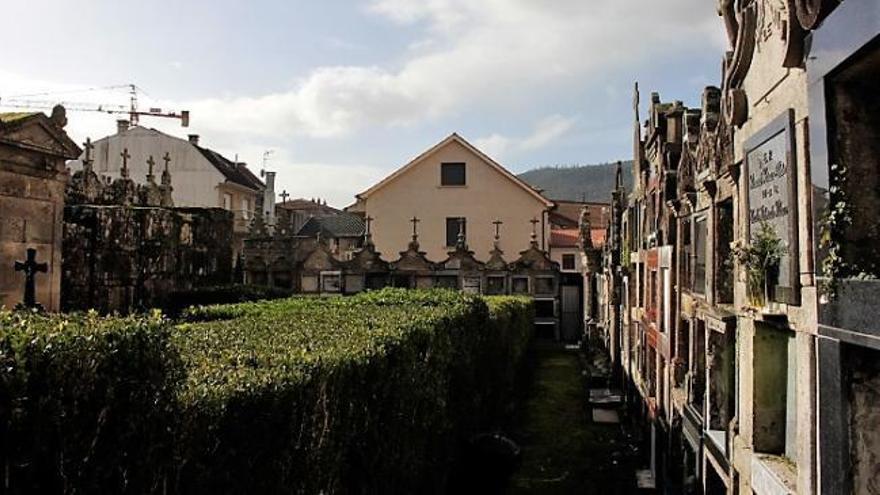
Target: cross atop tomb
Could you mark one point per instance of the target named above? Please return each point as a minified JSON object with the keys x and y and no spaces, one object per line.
{"x":415,"y":222}
{"x":87,"y":160}
{"x":497,"y":224}
{"x":284,"y":195}
{"x":150,"y":163}
{"x":534,"y":222}
{"x":460,"y":241}
{"x":125,"y":156}
{"x":30,"y":267}
{"x":166,"y":175}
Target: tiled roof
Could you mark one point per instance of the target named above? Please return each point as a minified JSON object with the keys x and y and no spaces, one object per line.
{"x":343,"y":225}
{"x":571,"y":237}
{"x":307,"y":205}
{"x":234,"y":172}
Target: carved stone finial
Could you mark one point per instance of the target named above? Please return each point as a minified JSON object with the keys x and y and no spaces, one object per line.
{"x":166,"y":189}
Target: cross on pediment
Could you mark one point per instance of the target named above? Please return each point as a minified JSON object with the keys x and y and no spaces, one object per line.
{"x":415,"y":221}
{"x":166,"y":158}
{"x":534,"y":222}
{"x":368,"y":222}
{"x":30,"y":267}
{"x":125,"y":156}
{"x":150,"y":163}
{"x":88,"y":147}
{"x":497,"y":224}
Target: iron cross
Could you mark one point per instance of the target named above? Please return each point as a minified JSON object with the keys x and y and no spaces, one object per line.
{"x":415,"y":220}
{"x":284,"y":195}
{"x":30,"y":267}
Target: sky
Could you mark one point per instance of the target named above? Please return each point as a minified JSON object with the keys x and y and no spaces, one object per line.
{"x":344,"y":91}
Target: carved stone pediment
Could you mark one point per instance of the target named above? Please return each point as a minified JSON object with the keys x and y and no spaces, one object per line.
{"x":43,"y":134}
{"x":367,"y":260}
{"x":534,"y":259}
{"x":462,"y":259}
{"x":496,"y":260}
{"x":321,"y":259}
{"x":412,"y":260}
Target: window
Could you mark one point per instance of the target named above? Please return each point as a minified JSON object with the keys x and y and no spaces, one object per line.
{"x":452,"y":174}
{"x":453,"y":224}
{"x":245,"y":208}
{"x":700,"y":233}
{"x":568,"y":262}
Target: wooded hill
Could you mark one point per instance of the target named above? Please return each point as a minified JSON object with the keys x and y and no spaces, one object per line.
{"x":578,"y":182}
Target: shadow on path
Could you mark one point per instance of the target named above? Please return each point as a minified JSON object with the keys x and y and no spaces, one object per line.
{"x":563,"y":450}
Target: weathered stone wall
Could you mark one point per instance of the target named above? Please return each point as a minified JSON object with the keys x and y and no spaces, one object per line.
{"x":119,"y":258}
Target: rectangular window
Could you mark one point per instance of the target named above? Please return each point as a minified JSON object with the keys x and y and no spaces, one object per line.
{"x":453,"y":224}
{"x":245,"y":208}
{"x":568,"y":262}
{"x":700,"y":234}
{"x":452,"y":174}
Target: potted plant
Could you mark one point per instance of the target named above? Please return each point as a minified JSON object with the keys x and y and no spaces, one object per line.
{"x":760,"y":258}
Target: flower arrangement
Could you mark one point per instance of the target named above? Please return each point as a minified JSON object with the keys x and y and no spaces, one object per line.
{"x":760,"y":258}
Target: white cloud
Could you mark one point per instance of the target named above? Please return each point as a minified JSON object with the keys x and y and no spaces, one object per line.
{"x":545,"y":132}
{"x":490,"y":53}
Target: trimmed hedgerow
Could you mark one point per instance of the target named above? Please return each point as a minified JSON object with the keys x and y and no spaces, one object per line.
{"x":85,"y":402}
{"x":372,"y":393}
{"x":369,"y":394}
{"x":222,"y":294}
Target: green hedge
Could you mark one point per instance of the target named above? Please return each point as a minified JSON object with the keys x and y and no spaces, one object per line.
{"x":367,"y":394}
{"x":222,"y":294}
{"x":85,"y":403}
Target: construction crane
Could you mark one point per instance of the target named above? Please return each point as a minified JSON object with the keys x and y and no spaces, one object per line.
{"x":134,"y":113}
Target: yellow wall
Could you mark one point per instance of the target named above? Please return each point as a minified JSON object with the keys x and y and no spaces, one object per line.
{"x":488,"y":195}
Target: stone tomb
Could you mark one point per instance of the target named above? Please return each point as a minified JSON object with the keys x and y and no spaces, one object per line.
{"x":33,"y":151}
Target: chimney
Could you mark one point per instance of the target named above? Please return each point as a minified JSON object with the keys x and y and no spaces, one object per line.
{"x":194,"y":139}
{"x":121,"y":126}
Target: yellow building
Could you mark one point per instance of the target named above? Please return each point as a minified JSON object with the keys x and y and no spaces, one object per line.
{"x":450,"y":187}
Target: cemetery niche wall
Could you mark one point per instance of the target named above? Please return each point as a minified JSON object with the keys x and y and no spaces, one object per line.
{"x":310,"y":266}
{"x":127,"y":248}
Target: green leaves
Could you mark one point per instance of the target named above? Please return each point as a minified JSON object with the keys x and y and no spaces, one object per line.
{"x":306,"y":394}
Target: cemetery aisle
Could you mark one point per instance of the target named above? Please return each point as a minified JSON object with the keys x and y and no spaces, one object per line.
{"x":563,"y":451}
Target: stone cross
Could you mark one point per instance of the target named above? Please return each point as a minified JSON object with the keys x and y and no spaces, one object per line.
{"x":415,"y":221}
{"x":166,"y":175}
{"x":497,"y":224}
{"x":125,"y":156}
{"x":150,"y":164}
{"x":460,"y":240}
{"x":30,"y":267}
{"x":87,"y":160}
{"x":284,"y":195}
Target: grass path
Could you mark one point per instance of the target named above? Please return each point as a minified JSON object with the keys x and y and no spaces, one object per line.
{"x":563,"y":451}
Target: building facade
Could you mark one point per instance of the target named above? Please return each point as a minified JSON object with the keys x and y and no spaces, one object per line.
{"x":450,"y":185}
{"x":203,"y":178}
{"x":735,"y":303}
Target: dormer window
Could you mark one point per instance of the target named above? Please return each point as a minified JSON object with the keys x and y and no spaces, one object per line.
{"x":452,"y":174}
